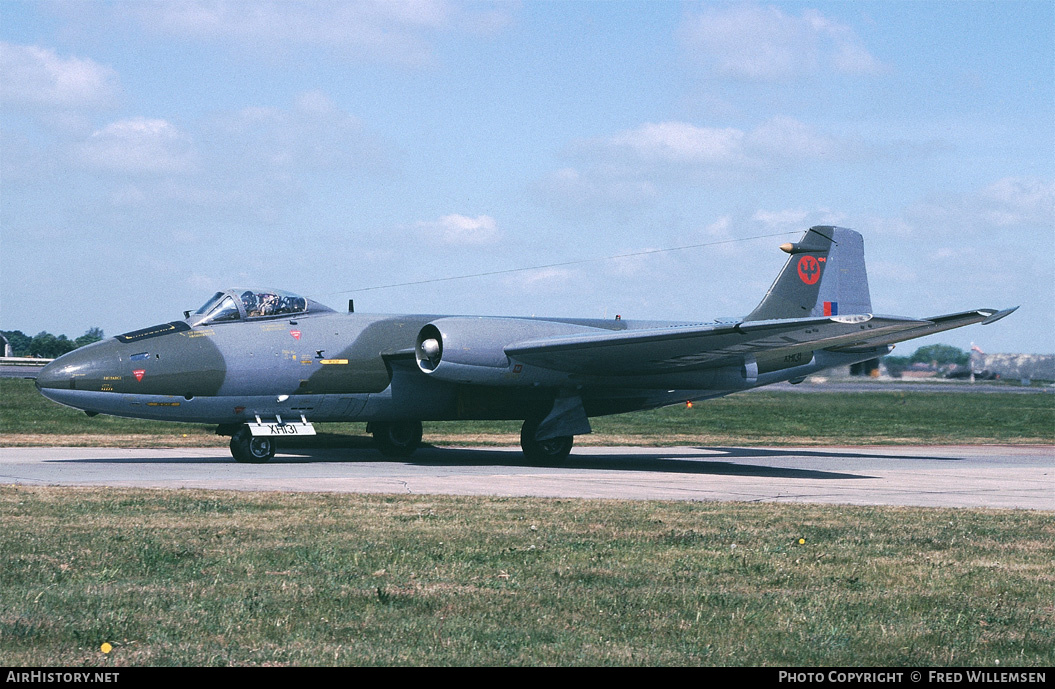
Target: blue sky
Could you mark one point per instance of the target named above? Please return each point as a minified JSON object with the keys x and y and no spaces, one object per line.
{"x":154,"y":152}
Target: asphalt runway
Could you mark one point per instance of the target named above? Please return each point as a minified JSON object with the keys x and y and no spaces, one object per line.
{"x":19,"y":371}
{"x":1005,"y":477}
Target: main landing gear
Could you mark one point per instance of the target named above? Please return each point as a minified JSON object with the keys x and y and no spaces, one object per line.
{"x":550,"y":451}
{"x":396,"y":438}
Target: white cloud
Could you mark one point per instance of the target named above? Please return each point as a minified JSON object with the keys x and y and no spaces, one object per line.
{"x":1014,"y":205}
{"x":313,"y":134}
{"x":541,"y":281}
{"x":891,"y":272}
{"x":1017,"y":201}
{"x":764,"y":43}
{"x":893,"y":227}
{"x":607,"y":186}
{"x":989,"y":247}
{"x":792,"y":219}
{"x":634,"y":165}
{"x":401,"y":32}
{"x":138,"y":146}
{"x":461,"y":229}
{"x":294,"y":20}
{"x":196,"y":282}
{"x":785,"y":137}
{"x":797,"y":219}
{"x":684,"y":143}
{"x":38,"y":77}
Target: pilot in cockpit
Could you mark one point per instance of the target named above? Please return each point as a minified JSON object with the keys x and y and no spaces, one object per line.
{"x":268,"y":305}
{"x":249,"y":301}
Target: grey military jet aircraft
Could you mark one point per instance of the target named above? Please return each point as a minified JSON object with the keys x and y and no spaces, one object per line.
{"x":263,"y":364}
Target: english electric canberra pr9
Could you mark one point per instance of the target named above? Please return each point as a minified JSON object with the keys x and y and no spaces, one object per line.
{"x":262,"y":364}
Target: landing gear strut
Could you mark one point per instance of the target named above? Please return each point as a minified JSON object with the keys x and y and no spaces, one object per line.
{"x":396,"y":438}
{"x":250,"y":449}
{"x":549,"y":451}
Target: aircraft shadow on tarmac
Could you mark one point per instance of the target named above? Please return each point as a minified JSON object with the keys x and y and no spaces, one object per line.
{"x":676,"y":460}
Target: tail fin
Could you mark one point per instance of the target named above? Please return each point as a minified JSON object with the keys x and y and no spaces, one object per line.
{"x":824,"y":276}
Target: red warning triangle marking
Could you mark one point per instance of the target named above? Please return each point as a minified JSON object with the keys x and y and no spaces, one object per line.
{"x":295,"y":334}
{"x":138,"y":373}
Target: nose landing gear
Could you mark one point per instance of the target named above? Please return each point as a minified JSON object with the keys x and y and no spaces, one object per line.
{"x":251,"y":449}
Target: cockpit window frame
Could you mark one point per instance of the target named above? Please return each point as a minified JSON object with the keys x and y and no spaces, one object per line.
{"x":227,"y":310}
{"x":272,"y":303}
{"x":253,"y":305}
{"x":205,"y":308}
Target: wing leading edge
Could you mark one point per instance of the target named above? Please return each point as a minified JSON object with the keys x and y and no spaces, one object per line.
{"x":682,"y":348}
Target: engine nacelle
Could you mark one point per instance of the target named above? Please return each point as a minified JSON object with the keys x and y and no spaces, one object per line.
{"x":472,"y":350}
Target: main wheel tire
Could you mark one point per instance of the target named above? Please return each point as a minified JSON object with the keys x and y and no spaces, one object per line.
{"x":250,"y":449}
{"x":550,"y":451}
{"x":397,"y":438}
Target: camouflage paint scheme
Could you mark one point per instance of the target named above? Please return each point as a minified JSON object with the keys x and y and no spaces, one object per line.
{"x":315,"y":363}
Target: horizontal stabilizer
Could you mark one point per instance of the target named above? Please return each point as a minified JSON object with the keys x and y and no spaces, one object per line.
{"x":999,"y":314}
{"x":930,"y":326}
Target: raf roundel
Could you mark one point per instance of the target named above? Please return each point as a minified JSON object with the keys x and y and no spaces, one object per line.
{"x":809,"y":270}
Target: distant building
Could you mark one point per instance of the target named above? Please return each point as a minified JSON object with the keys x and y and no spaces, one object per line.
{"x":1018,"y":366}
{"x":920,"y":370}
{"x":7,"y":346}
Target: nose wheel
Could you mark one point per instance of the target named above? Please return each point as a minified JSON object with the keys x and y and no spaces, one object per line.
{"x":250,"y":449}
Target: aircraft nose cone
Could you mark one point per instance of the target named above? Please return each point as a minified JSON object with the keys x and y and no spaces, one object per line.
{"x":48,"y":377}
{"x":80,"y":368}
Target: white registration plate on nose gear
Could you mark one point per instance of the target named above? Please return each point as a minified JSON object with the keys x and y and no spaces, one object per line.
{"x":284,"y":428}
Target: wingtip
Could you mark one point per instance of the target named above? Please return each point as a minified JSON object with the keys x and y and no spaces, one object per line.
{"x":998,"y":315}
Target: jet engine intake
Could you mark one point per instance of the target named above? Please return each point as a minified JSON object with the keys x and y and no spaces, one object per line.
{"x":429,"y":348}
{"x":463,"y":350}
{"x":472,"y":350}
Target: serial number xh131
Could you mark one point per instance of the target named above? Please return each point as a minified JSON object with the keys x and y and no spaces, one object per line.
{"x":265,"y":363}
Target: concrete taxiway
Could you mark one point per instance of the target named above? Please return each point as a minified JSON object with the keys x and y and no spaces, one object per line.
{"x":1013,"y":477}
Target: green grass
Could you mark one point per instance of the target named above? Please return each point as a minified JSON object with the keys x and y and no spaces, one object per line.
{"x":23,"y":410}
{"x":213,"y":578}
{"x":782,"y":417}
{"x":756,"y":418}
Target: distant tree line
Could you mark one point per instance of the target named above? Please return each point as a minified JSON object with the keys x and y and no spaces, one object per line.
{"x":46,"y":345}
{"x":938,"y":355}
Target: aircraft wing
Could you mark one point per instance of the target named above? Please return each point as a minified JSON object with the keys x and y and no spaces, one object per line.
{"x":681,"y":348}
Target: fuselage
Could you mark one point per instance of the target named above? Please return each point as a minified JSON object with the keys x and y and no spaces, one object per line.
{"x":329,"y":366}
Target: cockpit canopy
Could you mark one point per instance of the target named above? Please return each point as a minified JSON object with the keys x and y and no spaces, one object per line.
{"x":243,"y":304}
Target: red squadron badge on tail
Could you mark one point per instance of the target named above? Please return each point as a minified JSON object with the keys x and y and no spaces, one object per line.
{"x":809,"y":270}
